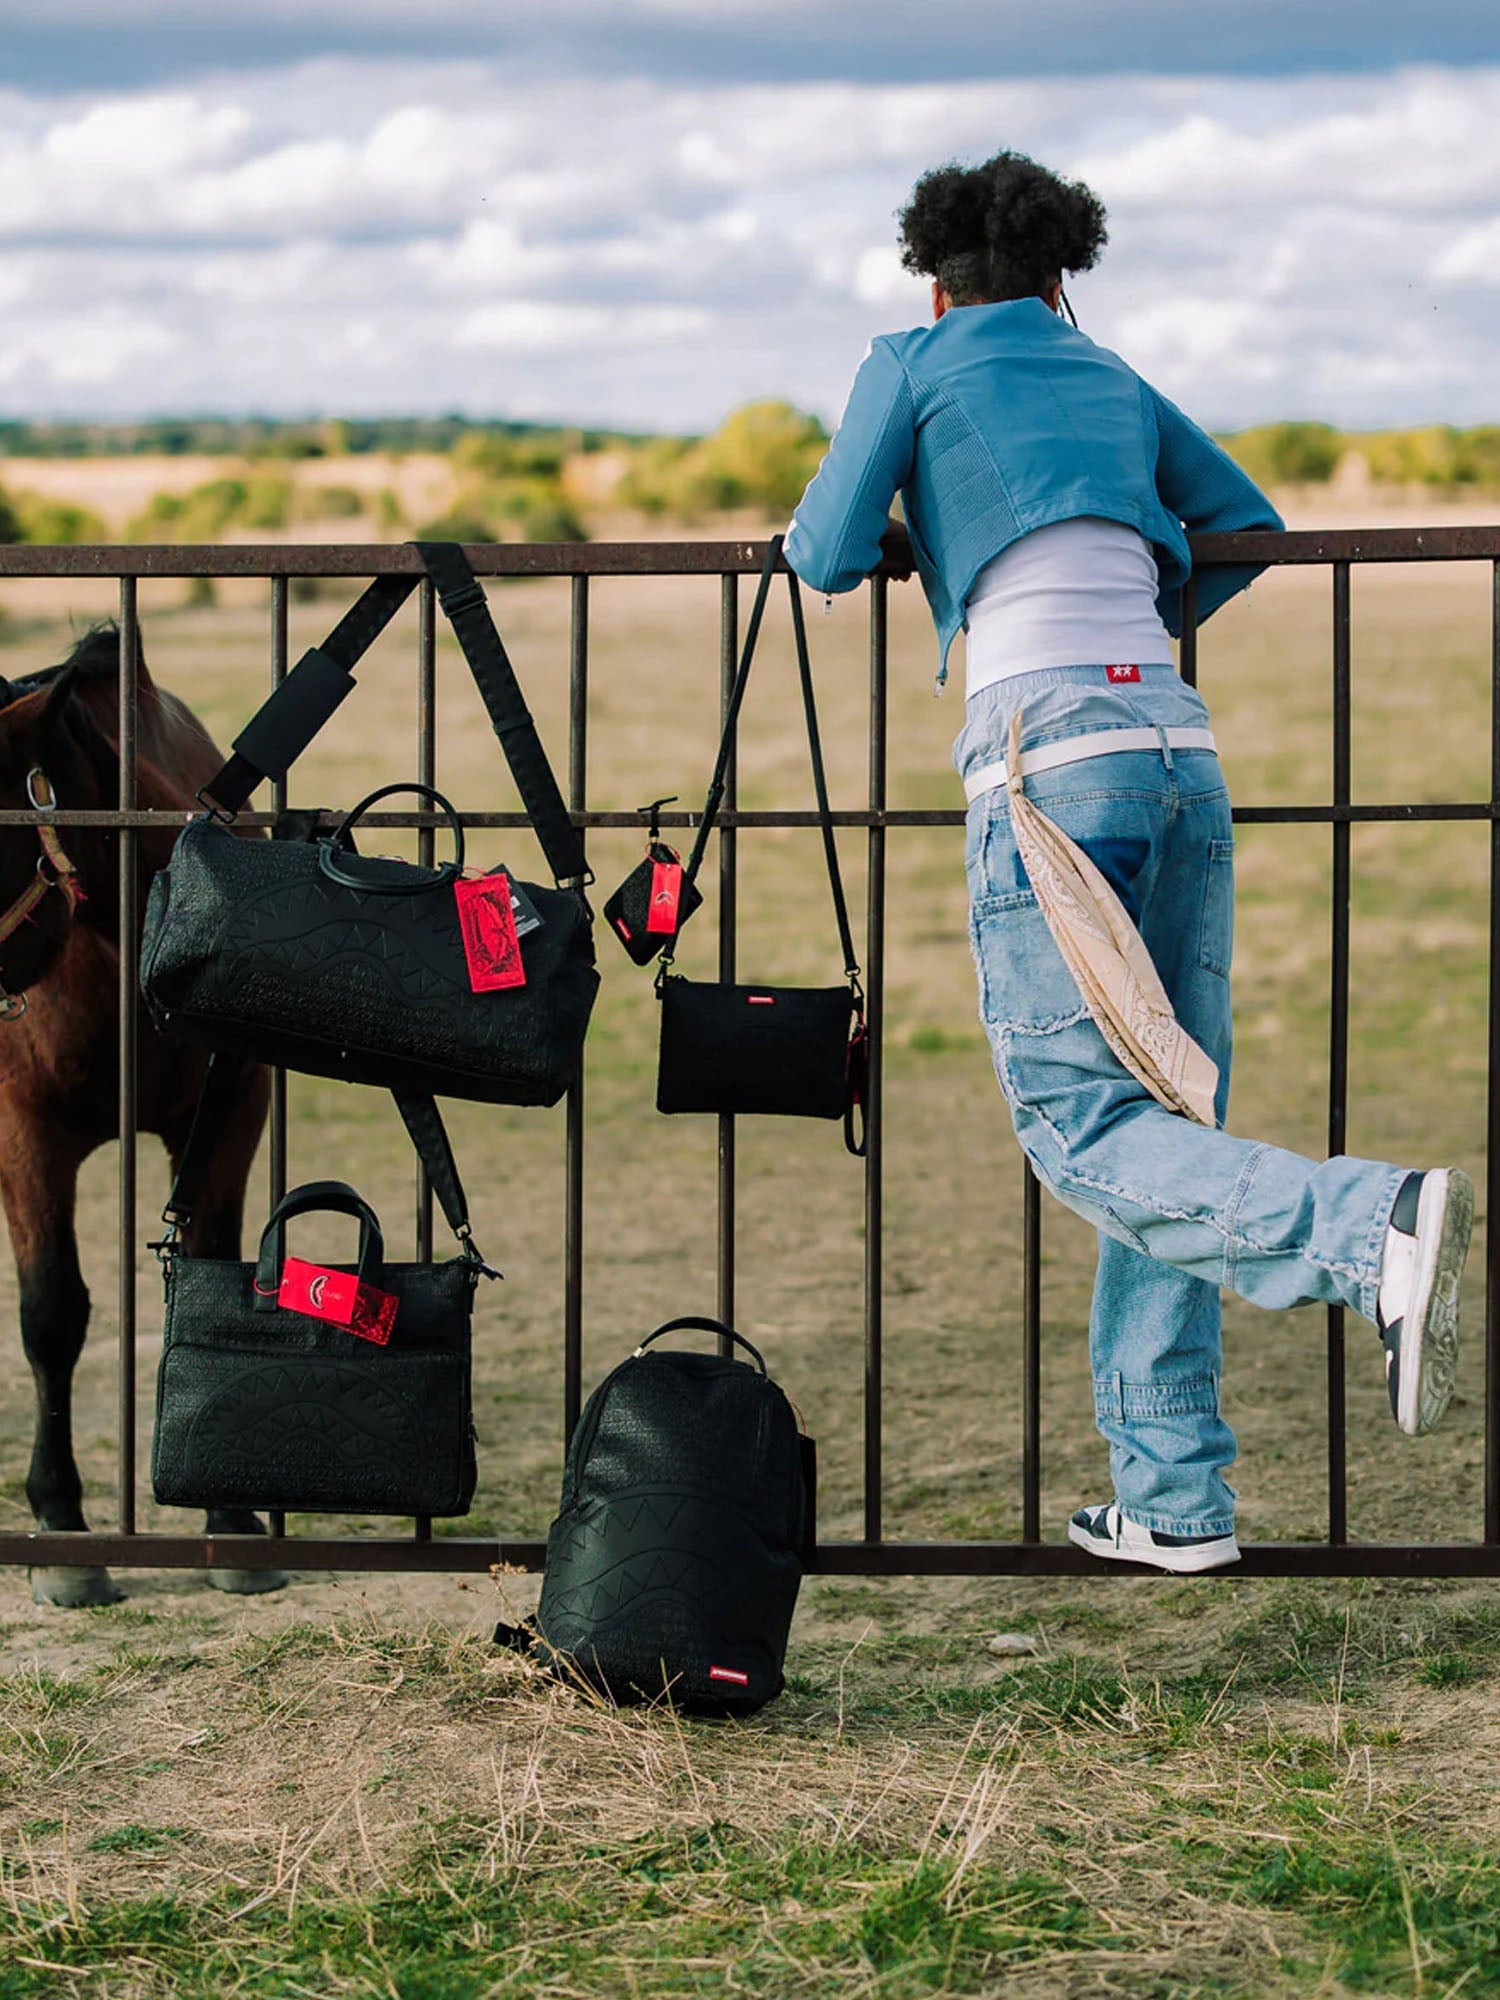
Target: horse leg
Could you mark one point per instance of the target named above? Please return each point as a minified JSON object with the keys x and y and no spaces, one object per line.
{"x":215,"y":1231}
{"x":38,"y":1187}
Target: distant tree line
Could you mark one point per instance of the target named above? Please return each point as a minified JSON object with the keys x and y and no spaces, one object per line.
{"x":532,"y":482}
{"x":268,"y":437}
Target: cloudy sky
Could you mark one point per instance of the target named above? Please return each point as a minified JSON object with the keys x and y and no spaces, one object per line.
{"x":642,"y":212}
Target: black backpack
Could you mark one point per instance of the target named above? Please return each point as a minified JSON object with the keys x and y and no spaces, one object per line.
{"x":687,"y":1510}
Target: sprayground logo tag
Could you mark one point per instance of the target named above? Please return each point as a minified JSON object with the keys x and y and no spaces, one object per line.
{"x":339,"y":1298}
{"x":1122,"y":673}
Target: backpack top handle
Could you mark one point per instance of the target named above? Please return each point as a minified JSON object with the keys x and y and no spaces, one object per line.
{"x":696,"y":1324}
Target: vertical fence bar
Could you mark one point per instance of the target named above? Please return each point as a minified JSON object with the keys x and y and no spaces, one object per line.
{"x":1187,"y":649}
{"x":874,"y":1105}
{"x":578,"y":745}
{"x":1031,"y":1355}
{"x":279,"y":654}
{"x":1338,"y":1034}
{"x":129,"y":957}
{"x":426,"y":854}
{"x":729,"y":645}
{"x":276,"y":1519}
{"x":1492,"y":1150}
{"x":426,"y":837}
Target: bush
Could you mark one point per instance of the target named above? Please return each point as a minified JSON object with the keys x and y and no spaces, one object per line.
{"x":651,"y":478}
{"x":267,"y":502}
{"x":1289,"y":454}
{"x":327,"y":503}
{"x":10,"y":521}
{"x":199,"y":515}
{"x":455,"y":526}
{"x":43,"y":519}
{"x":761,"y":456}
{"x":488,"y":455}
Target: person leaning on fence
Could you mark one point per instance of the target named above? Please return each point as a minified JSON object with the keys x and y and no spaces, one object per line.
{"x":1047,"y":489}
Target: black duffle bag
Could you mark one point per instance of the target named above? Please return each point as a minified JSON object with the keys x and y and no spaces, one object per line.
{"x":794,"y":1051}
{"x":300,"y":952}
{"x":328,"y":1389}
{"x":687,"y":1513}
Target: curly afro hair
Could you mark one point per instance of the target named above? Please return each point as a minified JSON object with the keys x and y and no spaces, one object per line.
{"x":1002,"y":230}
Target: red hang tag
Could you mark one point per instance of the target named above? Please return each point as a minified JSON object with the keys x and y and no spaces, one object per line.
{"x":666,"y":893}
{"x":339,"y":1298}
{"x":492,"y":951}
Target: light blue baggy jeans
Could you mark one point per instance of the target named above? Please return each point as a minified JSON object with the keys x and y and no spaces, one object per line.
{"x":1181,"y":1210}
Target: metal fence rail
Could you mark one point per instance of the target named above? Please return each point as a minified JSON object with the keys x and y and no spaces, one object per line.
{"x":873,"y":1554}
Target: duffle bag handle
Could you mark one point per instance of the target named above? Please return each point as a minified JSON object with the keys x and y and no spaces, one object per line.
{"x":336,"y":1197}
{"x":341,"y":841}
{"x":692,"y":1322}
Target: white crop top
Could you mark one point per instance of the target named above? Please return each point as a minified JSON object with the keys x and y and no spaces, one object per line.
{"x":1078,"y":593}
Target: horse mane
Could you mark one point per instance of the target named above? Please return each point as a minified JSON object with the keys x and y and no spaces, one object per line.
{"x":94,"y":657}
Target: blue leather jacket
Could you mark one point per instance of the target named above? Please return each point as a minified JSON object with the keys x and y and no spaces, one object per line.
{"x":998,"y":419}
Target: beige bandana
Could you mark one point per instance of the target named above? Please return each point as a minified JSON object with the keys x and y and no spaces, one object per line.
{"x":1104,"y":952}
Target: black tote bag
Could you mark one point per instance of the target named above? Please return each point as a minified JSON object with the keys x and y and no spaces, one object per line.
{"x":301,"y":953}
{"x":260,"y":1405}
{"x":793,"y":1051}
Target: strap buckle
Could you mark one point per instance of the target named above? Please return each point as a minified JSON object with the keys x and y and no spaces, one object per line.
{"x":468,"y":597}
{"x":213,"y":809}
{"x":167,"y":1247}
{"x":654,"y":812}
{"x":472,"y":1256}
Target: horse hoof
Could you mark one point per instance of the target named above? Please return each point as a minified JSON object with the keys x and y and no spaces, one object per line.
{"x":74,"y":1589}
{"x":248,"y":1582}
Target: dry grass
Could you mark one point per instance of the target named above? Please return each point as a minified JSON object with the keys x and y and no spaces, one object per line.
{"x":352,"y":1806}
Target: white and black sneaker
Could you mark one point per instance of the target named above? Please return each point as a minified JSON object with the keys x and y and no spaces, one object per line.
{"x":1417,"y":1310}
{"x":1105,"y":1531}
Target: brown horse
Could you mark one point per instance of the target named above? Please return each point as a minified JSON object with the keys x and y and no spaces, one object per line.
{"x":59,"y":1059}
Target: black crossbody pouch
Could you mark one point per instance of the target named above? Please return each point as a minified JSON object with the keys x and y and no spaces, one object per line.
{"x":793,"y":1051}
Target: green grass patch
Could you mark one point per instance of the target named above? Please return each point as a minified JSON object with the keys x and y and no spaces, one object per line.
{"x":709,"y":1914}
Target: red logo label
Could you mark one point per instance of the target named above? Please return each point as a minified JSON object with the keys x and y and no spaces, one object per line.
{"x":1123,"y":673}
{"x":339,"y":1298}
{"x":760,"y":999}
{"x":492,"y":951}
{"x":666,"y":888}
{"x":729,"y":1674}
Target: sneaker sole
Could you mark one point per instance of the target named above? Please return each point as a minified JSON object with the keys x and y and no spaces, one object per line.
{"x":1181,"y":1562}
{"x":1429,"y":1329}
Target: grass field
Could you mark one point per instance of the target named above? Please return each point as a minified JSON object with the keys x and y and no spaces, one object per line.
{"x":1207,"y":1788}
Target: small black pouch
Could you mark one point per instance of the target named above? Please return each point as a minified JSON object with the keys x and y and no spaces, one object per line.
{"x":655,"y":900}
{"x":782,"y":1049}
{"x":795,"y":1051}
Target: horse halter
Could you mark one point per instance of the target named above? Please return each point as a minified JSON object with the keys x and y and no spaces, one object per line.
{"x":53,"y":871}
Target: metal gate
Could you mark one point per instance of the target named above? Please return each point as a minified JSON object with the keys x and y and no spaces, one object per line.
{"x":873,"y":1554}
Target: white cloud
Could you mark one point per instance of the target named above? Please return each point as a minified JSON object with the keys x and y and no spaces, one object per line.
{"x":367,"y":235}
{"x":1472,"y":257}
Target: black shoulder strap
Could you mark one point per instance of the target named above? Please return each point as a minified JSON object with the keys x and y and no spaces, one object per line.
{"x":429,"y":1135}
{"x":225,"y":1076}
{"x":732,"y":713}
{"x":814,"y":744}
{"x":288,"y":720}
{"x":467,"y":609}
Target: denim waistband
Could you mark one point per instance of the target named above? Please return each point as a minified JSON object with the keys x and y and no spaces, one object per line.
{"x":1057,"y":702}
